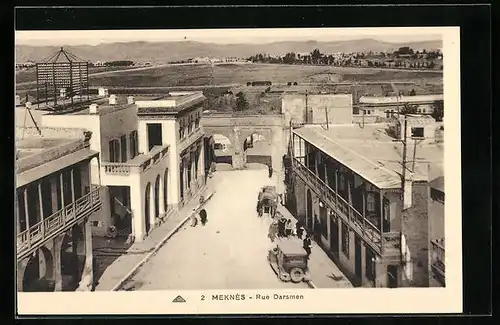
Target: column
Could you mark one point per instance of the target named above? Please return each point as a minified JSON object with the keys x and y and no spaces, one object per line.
{"x":136,"y":205}
{"x":161,"y":194}
{"x":201,"y":162}
{"x":62,"y":193}
{"x":88,"y":270}
{"x":57,"y":262}
{"x":40,"y":201}
{"x":26,"y":216}
{"x":72,"y":186}
{"x":152,"y":211}
{"x":326,"y":173}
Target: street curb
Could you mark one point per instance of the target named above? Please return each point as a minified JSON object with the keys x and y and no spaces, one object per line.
{"x":157,"y":247}
{"x":311,"y":285}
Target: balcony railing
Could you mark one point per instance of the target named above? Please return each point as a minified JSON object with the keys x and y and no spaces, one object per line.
{"x":136,"y":165}
{"x":437,"y":259}
{"x":61,"y":219}
{"x":361,"y":225}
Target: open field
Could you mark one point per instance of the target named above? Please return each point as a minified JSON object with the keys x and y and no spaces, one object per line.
{"x":195,"y":75}
{"x":29,"y":75}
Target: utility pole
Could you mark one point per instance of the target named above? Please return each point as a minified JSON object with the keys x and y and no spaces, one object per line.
{"x":403,"y":174}
{"x":414,"y":154}
{"x":326,"y":114}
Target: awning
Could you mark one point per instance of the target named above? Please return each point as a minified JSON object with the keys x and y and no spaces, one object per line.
{"x":53,"y":166}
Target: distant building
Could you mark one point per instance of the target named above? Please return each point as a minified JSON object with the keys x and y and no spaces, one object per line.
{"x":422,"y":127}
{"x":387,"y":106}
{"x":99,"y":64}
{"x":317,"y":108}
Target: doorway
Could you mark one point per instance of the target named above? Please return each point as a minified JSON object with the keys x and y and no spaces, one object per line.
{"x":392,"y":276}
{"x":357,"y":257}
{"x":334,"y":236}
{"x":154,"y":135}
{"x":309,"y":211}
{"x":147,"y":209}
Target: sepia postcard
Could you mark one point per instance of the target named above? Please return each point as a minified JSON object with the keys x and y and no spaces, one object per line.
{"x":238,"y":171}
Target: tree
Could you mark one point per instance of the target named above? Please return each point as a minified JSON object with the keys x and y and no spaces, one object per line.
{"x":438,"y":111}
{"x":315,"y":56}
{"x":241,"y":102}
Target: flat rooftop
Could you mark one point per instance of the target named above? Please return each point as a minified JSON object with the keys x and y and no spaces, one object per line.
{"x":40,"y":155}
{"x":371,"y":153}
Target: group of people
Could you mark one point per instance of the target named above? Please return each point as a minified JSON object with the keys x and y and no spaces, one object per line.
{"x":284,"y":228}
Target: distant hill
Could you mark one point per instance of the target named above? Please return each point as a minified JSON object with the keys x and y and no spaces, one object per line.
{"x":160,"y":52}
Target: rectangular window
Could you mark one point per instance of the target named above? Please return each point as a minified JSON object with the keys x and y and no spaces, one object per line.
{"x":123,"y":147}
{"x":345,"y":239}
{"x":154,"y":135}
{"x":132,"y":145}
{"x":114,"y":151}
{"x":370,"y":265}
{"x":417,"y":132}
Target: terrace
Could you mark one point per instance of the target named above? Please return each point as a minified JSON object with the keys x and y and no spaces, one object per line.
{"x":136,"y":165}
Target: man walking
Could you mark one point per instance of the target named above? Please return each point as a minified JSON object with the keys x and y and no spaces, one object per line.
{"x":203,"y":217}
{"x":307,"y":245}
{"x":299,"y":230}
{"x":270,"y":169}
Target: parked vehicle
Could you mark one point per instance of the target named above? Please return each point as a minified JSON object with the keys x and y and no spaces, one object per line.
{"x":289,"y":261}
{"x":267,"y":202}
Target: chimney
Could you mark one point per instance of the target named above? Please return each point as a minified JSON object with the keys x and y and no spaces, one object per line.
{"x":93,"y":108}
{"x":130,"y":100}
{"x":103,"y":92}
{"x":112,"y":99}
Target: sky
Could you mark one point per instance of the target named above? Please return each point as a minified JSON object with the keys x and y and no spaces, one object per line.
{"x":226,"y":36}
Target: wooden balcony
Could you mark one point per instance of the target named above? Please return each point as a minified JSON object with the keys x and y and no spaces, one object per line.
{"x":138,"y":164}
{"x":30,"y":239}
{"x":361,"y":225}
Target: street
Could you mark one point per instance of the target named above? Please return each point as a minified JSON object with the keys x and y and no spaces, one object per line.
{"x":229,"y":252}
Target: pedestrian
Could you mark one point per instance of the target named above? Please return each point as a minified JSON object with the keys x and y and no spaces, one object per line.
{"x":288,"y":228}
{"x":203,"y":217}
{"x":317,"y":229}
{"x":194,"y":219}
{"x":307,"y":245}
{"x":299,"y":230}
{"x":273,"y":230}
{"x":281,"y":227}
{"x":270,"y":169}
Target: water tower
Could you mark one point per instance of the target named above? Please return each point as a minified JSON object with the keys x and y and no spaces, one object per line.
{"x":62,"y":80}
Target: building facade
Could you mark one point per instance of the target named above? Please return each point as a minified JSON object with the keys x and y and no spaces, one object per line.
{"x":317,"y":108}
{"x":135,"y":179}
{"x":390,"y":105}
{"x":55,"y":201}
{"x":176,"y":120}
{"x":357,"y":209}
{"x":436,"y":232}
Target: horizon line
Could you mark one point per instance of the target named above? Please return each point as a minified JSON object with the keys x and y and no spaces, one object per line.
{"x":26,"y":42}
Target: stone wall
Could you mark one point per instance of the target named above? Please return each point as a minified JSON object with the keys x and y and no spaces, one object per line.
{"x":415,"y":229}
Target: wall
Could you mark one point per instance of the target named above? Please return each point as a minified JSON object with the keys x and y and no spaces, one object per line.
{"x":338,"y":106}
{"x":87,"y":122}
{"x":415,"y":229}
{"x":114,"y":125}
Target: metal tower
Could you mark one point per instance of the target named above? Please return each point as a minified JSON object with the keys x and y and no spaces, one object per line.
{"x":61,"y":80}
